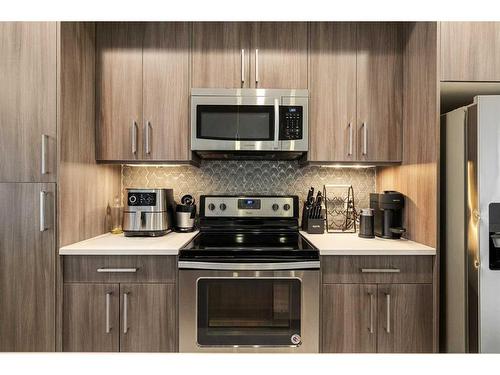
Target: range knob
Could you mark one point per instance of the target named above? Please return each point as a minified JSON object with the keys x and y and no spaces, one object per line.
{"x":222,"y":206}
{"x":211,"y":206}
{"x":275,"y":207}
{"x":286,"y":207}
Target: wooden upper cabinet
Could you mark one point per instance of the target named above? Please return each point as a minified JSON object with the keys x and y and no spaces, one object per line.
{"x":119,"y":90}
{"x":380,"y":91}
{"x":470,"y":51}
{"x":91,"y":318}
{"x":148,"y":314}
{"x":221,"y":55}
{"x":28,"y":101}
{"x":166,"y":91}
{"x":349,"y":318}
{"x":278,"y":57}
{"x":332,"y":92}
{"x":405,"y":323}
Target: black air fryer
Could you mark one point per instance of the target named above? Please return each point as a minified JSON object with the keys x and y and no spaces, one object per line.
{"x":388,"y":208}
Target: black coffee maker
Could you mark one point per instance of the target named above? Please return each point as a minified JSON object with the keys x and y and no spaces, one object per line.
{"x":388,"y":208}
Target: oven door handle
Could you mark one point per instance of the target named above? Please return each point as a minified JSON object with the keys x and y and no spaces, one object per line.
{"x":249,"y":266}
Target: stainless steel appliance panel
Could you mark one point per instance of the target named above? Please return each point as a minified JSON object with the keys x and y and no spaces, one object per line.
{"x":227,"y":317}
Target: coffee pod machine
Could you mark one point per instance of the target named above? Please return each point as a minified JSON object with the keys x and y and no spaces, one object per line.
{"x":148,"y":212}
{"x":185,"y":214}
{"x":388,"y":210}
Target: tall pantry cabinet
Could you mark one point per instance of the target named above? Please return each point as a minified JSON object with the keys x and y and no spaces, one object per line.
{"x":27,"y":185}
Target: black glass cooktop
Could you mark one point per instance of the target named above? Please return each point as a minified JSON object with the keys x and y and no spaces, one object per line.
{"x":254,"y":246}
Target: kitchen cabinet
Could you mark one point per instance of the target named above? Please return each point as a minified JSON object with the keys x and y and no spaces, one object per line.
{"x":405,"y":318}
{"x":278,"y":55}
{"x":380,"y":92}
{"x":124,"y":303}
{"x":28,"y":101}
{"x":250,"y":55}
{"x":332,"y":92}
{"x":27,"y":267}
{"x":470,"y":51}
{"x":91,"y":318}
{"x":375,"y":304}
{"x":142,"y":91}
{"x":148,"y":318}
{"x":349,"y":316}
{"x":221,"y":55}
{"x":356,"y":91}
{"x":119,"y":90}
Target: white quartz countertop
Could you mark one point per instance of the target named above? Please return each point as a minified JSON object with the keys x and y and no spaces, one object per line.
{"x":351,"y":244}
{"x":118,"y":244}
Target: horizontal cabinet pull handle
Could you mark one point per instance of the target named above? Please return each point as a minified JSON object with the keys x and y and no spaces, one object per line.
{"x":117,"y":270}
{"x":380,"y":270}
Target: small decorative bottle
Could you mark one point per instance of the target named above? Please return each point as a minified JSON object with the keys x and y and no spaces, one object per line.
{"x":116,"y":216}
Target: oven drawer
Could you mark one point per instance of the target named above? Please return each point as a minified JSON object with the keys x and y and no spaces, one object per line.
{"x":117,"y":268}
{"x":376,"y":269}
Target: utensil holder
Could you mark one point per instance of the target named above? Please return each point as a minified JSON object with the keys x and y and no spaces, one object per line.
{"x":315,"y":226}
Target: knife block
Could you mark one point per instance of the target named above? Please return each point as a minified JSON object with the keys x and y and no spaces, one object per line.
{"x":315,"y":226}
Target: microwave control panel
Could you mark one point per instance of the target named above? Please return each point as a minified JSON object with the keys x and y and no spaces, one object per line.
{"x":291,"y":119}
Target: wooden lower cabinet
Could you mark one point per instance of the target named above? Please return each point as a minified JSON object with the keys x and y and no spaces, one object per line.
{"x":405,"y":318}
{"x":91,"y":318}
{"x":119,"y":317}
{"x":349,"y":318}
{"x":370,"y":318}
{"x":148,"y":314}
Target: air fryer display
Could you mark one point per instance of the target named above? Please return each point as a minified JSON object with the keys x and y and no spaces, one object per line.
{"x":142,"y":199}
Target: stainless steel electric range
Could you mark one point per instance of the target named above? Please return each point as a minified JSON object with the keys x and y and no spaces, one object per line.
{"x":249,"y":282}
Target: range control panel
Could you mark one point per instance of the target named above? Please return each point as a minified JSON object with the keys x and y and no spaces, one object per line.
{"x":247,"y":206}
{"x":291,"y":122}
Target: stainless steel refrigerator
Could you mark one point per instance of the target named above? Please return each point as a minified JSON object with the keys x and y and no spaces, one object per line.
{"x":470,"y":227}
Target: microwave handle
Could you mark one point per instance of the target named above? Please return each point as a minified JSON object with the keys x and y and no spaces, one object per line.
{"x":276,"y":123}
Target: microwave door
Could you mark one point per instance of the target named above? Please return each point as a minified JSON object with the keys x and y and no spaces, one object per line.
{"x":234,"y":124}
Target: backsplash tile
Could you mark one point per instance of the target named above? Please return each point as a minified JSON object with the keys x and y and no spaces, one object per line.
{"x":253,"y":177}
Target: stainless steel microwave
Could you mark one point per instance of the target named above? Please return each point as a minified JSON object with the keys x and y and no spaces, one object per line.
{"x":233,"y":120}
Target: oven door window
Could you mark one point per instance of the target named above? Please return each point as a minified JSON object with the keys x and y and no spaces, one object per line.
{"x":235,"y":122}
{"x":239,"y":311}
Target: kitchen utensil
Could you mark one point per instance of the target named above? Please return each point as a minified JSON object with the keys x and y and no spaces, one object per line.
{"x":366,"y":223}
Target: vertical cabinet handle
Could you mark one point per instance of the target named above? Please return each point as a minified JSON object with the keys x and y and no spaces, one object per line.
{"x":44,"y":169}
{"x":108,"y":302}
{"x":349,"y":152}
{"x":242,"y":66}
{"x":388,"y":312}
{"x":371,"y":330}
{"x":147,"y":137}
{"x":43,"y":227}
{"x":365,"y":138}
{"x":256,"y":66}
{"x":134,"y":137}
{"x":125,"y":313}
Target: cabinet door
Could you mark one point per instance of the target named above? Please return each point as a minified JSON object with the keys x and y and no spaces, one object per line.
{"x":470,"y":51}
{"x":279,"y":55}
{"x":27,"y":267}
{"x":220,"y":54}
{"x":405,"y":318}
{"x":119,"y":91}
{"x":332,"y":90}
{"x":28,"y":101}
{"x":166,"y":91}
{"x":380,"y":91}
{"x":148,"y":313}
{"x":90,"y":318}
{"x":349,"y":318}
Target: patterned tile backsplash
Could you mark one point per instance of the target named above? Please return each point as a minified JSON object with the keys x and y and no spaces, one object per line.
{"x":254,"y":177}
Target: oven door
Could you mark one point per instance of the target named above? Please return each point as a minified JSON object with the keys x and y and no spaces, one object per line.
{"x":249,"y":311}
{"x":232,"y":123}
